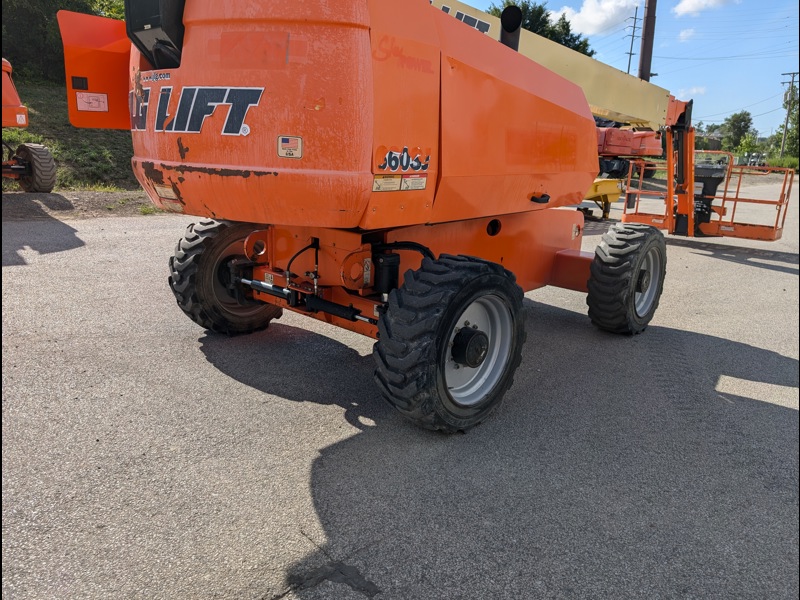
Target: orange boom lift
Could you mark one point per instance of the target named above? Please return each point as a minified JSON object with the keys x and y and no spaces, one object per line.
{"x":30,"y":164}
{"x":375,"y":165}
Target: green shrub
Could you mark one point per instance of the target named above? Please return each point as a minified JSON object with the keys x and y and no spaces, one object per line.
{"x":790,"y":162}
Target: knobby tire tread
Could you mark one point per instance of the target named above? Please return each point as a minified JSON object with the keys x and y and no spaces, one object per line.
{"x":42,"y":178}
{"x":405,"y":355}
{"x":183,"y":280}
{"x":610,"y":283}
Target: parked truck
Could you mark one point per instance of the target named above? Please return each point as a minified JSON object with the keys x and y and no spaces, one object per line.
{"x":375,"y":165}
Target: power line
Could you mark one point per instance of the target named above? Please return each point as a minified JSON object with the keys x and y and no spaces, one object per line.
{"x":727,"y":112}
{"x":766,"y":53}
{"x":609,"y":41}
{"x":700,"y":64}
{"x":768,"y":112}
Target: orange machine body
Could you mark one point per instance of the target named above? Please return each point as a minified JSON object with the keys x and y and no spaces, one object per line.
{"x":350,"y":124}
{"x":14,"y":113}
{"x":367,"y":115}
{"x":627,"y":142}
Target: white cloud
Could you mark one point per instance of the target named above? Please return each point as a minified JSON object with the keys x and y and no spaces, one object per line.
{"x":686,"y":34}
{"x":595,"y":16}
{"x":695,"y":7}
{"x":691,"y":92}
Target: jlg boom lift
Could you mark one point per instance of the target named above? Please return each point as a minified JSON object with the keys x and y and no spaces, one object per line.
{"x":631,"y":149}
{"x":31,"y":165}
{"x":375,"y":165}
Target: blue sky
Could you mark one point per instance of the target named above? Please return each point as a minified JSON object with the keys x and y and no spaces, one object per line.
{"x":726,"y":55}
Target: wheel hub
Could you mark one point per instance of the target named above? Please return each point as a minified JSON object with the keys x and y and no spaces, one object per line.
{"x":470,"y":347}
{"x":644,"y":282}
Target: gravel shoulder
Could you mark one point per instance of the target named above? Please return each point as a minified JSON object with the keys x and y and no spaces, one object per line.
{"x":70,"y":205}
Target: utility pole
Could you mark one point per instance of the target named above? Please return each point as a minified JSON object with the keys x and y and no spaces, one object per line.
{"x":633,"y":36}
{"x":648,"y":33}
{"x":789,"y":105}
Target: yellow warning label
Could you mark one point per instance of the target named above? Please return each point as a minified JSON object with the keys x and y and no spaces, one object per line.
{"x":386,"y":183}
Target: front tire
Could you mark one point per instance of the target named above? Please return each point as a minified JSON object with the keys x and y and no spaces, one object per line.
{"x":449,"y":342}
{"x":627,"y":278}
{"x":199,"y":277}
{"x":41,"y":175}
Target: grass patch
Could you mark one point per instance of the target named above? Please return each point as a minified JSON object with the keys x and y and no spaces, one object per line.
{"x":148,"y":209}
{"x":86,"y":159}
{"x":790,"y":162}
{"x":98,"y":187}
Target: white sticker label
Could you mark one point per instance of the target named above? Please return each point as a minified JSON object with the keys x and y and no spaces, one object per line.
{"x":21,"y":120}
{"x":92,"y":102}
{"x":414,"y":182}
{"x":165,"y":192}
{"x":290,"y":146}
{"x":386,"y":183}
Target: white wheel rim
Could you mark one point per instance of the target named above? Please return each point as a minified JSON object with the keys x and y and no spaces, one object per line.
{"x":490,"y":314}
{"x":651,"y":269}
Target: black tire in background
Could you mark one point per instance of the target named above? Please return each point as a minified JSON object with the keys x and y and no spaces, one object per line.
{"x":42,"y":168}
{"x":449,"y":342}
{"x":199,"y":278}
{"x":627,"y":278}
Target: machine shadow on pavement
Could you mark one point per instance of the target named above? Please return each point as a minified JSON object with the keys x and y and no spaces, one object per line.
{"x":753,"y":257}
{"x":302,"y":366}
{"x":630,"y":465}
{"x":54,"y":236}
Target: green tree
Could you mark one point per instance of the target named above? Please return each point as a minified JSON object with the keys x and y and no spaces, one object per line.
{"x":735,"y":128}
{"x":790,"y":103}
{"x":708,"y":136}
{"x":113,"y":9}
{"x":747,"y":145}
{"x":31,"y":39}
{"x":535,"y":19}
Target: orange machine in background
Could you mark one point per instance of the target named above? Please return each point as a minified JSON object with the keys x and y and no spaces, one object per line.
{"x":379,"y":166}
{"x":14,"y":113}
{"x":710,"y":196}
{"x":30,"y":164}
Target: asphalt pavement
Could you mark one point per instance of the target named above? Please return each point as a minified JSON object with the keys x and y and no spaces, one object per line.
{"x":145,"y":458}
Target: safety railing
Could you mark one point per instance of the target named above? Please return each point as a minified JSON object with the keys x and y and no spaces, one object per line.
{"x":742,"y":201}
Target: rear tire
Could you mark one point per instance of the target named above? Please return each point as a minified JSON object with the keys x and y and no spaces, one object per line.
{"x":449,"y":342}
{"x":42,"y":168}
{"x":199,"y":276}
{"x":627,"y":278}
